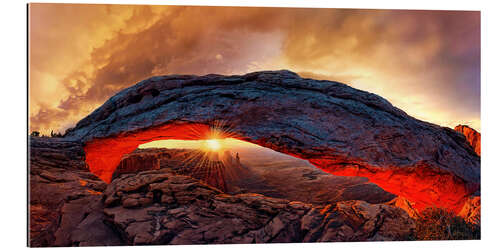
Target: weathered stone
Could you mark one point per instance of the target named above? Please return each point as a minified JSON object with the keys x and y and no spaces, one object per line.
{"x":471,"y":211}
{"x":337,"y":128}
{"x":61,"y":193}
{"x":406,"y":205}
{"x":215,"y":217}
{"x":472,"y":136}
{"x":72,"y":209}
{"x":341,"y":130}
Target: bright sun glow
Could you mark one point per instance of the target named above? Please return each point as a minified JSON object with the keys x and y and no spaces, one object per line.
{"x":213,"y":144}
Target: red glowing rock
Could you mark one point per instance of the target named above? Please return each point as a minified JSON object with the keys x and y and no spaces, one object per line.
{"x":337,"y":128}
{"x":104,"y":155}
{"x":471,"y":211}
{"x":422,"y":185}
{"x":472,"y":136}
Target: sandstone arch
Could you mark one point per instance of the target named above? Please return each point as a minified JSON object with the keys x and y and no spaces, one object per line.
{"x":337,"y":128}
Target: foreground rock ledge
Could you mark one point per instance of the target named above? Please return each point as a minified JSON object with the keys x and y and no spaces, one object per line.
{"x":342,"y":130}
{"x":155,"y":207}
{"x":70,"y":206}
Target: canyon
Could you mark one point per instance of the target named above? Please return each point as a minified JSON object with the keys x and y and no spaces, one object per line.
{"x":360,"y":168}
{"x":268,"y":173}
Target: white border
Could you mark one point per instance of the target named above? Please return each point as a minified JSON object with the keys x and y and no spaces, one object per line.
{"x":14,"y":116}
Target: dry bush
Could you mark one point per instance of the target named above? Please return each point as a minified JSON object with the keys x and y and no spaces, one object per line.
{"x":439,"y":224}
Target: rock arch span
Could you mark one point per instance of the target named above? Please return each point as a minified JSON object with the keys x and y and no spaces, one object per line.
{"x":342,"y":130}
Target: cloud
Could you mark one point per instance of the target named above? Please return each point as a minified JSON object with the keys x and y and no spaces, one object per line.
{"x":433,"y":55}
{"x":428,"y":57}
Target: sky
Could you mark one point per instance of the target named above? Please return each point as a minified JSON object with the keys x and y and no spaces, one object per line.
{"x":210,"y":145}
{"x":426,"y":63}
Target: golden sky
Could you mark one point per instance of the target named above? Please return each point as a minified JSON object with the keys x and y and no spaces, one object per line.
{"x":424,"y":62}
{"x":220,"y":144}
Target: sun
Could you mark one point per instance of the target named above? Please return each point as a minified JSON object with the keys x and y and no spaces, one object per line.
{"x":213,"y":144}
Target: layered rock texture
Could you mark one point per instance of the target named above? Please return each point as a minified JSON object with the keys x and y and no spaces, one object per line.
{"x":381,"y":165}
{"x":69,"y":206}
{"x":156,"y":207}
{"x":62,"y":193}
{"x":472,"y":136}
{"x":337,"y":128}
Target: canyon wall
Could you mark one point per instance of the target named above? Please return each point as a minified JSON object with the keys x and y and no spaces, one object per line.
{"x":472,"y":136}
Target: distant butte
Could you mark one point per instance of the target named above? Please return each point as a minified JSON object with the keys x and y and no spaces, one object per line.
{"x":337,"y":128}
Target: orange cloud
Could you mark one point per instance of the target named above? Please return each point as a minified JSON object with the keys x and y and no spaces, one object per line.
{"x":425,"y":62}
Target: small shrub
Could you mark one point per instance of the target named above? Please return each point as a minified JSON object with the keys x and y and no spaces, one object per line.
{"x":439,"y":224}
{"x":35,"y":133}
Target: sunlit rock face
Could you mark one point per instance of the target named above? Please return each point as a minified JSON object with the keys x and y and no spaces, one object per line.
{"x":342,"y":130}
{"x":471,"y":211}
{"x":140,"y":160}
{"x":472,"y":136}
{"x":406,"y":205}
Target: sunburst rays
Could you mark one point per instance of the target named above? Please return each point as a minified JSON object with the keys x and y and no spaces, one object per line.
{"x":220,"y":129}
{"x":209,"y":163}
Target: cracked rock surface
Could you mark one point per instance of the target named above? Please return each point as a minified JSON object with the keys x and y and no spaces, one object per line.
{"x":342,"y":130}
{"x":158,"y":207}
{"x":62,"y":192}
{"x":70,"y":206}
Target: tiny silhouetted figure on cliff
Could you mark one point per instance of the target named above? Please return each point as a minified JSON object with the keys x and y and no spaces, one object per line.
{"x":237,"y":158}
{"x":52,"y":134}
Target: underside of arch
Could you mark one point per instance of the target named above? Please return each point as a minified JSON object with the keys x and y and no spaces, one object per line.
{"x":421,"y":184}
{"x":337,"y":128}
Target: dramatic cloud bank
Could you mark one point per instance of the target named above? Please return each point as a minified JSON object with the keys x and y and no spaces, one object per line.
{"x":425,"y":62}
